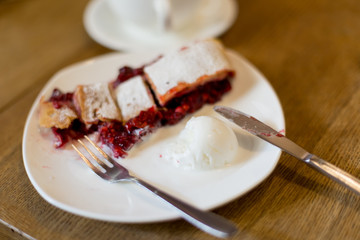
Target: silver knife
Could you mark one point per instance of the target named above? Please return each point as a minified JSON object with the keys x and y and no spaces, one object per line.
{"x":276,"y":138}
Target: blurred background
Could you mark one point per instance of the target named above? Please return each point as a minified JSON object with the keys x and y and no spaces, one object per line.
{"x":308,"y":50}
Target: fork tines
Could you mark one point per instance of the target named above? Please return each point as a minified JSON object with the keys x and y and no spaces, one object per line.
{"x":102,"y":163}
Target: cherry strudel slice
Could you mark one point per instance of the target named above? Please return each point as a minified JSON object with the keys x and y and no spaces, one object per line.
{"x":140,"y":100}
{"x":183,"y":70}
{"x":95,"y":103}
{"x":133,"y":96}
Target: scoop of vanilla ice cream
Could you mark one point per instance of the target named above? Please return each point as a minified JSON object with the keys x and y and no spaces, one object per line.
{"x":204,"y":143}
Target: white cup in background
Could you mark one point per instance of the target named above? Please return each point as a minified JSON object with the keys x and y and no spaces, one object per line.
{"x":154,"y":15}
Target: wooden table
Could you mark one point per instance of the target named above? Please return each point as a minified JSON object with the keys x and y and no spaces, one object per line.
{"x":309,"y":51}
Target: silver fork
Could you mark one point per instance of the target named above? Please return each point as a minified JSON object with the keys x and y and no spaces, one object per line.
{"x":112,"y":171}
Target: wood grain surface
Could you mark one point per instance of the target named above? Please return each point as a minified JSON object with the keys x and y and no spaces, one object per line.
{"x":308,"y":50}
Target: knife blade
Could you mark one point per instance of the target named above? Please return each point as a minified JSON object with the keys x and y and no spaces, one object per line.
{"x":265,"y":132}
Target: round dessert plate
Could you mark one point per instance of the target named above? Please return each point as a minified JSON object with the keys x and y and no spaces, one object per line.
{"x":64,"y":180}
{"x":104,"y":29}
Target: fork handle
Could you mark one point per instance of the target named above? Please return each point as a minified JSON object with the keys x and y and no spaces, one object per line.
{"x":206,"y":221}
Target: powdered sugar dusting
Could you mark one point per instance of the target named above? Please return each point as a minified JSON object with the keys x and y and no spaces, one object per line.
{"x":133,"y":96}
{"x":202,"y":58}
{"x":49,"y":116}
{"x":65,"y":113}
{"x":98,"y":103}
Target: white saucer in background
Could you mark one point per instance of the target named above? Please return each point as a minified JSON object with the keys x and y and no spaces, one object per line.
{"x":210,"y":22}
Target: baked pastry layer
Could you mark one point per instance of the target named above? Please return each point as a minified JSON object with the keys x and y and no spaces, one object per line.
{"x":95,"y":102}
{"x":132,"y":97}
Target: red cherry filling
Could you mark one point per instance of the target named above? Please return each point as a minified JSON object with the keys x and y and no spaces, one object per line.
{"x":60,"y":99}
{"x":125,"y":73}
{"x":177,"y":108}
{"x":120,"y":137}
{"x":76,"y":130}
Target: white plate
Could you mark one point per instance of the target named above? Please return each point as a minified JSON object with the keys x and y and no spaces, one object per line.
{"x":65,"y":181}
{"x":210,"y":22}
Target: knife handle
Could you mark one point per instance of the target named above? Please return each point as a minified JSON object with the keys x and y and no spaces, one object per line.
{"x":334,"y":173}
